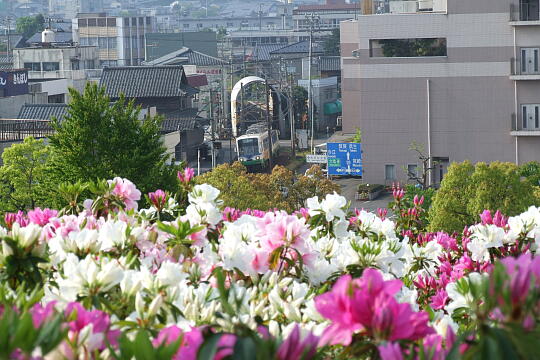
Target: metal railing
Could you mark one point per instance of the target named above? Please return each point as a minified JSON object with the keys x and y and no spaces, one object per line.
{"x":14,"y":129}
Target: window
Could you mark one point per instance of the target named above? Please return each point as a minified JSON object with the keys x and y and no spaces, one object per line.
{"x":390,"y":172}
{"x":230,"y":24}
{"x":32,"y":66}
{"x":112,"y":42}
{"x":83,"y":23}
{"x":148,"y":20}
{"x":126,"y":21}
{"x":51,"y":66}
{"x":89,"y":64}
{"x":186,"y":26}
{"x":102,"y":43}
{"x":412,"y":171}
{"x":92,"y":22}
{"x":530,"y":116}
{"x":84,"y":41}
{"x":102,"y":22}
{"x":418,"y":47}
{"x":111,"y":22}
{"x":93,"y":41}
{"x":75,"y":65}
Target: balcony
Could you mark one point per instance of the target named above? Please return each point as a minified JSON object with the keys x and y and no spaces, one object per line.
{"x":517,"y":129}
{"x":526,"y":13}
{"x":525,"y":68}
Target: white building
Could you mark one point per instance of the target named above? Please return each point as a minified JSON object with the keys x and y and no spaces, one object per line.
{"x":57,"y":61}
{"x":120,"y":40}
{"x":70,"y":8}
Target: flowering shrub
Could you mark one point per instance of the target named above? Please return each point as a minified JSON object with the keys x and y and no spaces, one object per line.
{"x":189,"y":279}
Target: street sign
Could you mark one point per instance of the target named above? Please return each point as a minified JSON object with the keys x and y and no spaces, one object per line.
{"x":316,"y":159}
{"x":344,"y":159}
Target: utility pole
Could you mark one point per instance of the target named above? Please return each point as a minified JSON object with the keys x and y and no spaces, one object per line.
{"x":312,"y":20}
{"x":260,"y":17}
{"x":291,"y":116}
{"x":269,"y":125}
{"x":213,"y":127}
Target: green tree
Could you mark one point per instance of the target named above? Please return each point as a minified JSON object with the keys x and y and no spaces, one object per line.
{"x":279,"y":190}
{"x":498,"y":186}
{"x":332,"y":42}
{"x":531,"y":171}
{"x":23,"y":177}
{"x":100,"y":140}
{"x":468,"y":190}
{"x":300,"y":99}
{"x":29,"y":25}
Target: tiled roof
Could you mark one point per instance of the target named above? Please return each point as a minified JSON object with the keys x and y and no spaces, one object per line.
{"x":329,"y":63}
{"x":262,"y":51}
{"x":184,"y":120}
{"x":300,"y":47}
{"x":327,"y":7}
{"x":197,"y":80}
{"x":146,"y":82}
{"x":42,"y":111}
{"x":59,"y":37}
{"x":186,"y":56}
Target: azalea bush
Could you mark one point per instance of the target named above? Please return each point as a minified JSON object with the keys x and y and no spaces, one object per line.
{"x":188,"y":278}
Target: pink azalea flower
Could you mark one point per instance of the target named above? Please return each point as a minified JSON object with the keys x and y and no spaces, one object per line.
{"x":126,"y":191}
{"x":438,"y":301}
{"x":337,"y":305}
{"x":99,"y":321}
{"x":41,"y":217}
{"x":368,"y":304}
{"x":158,"y":198}
{"x":41,"y":314}
{"x":187,"y":175}
{"x":390,"y":351}
{"x":191,"y":341}
{"x":225,"y":346}
{"x":294,"y":348}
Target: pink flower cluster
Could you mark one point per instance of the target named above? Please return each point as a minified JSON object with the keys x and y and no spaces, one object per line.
{"x":367,"y":306}
{"x":126,"y":191}
{"x":186,"y":176}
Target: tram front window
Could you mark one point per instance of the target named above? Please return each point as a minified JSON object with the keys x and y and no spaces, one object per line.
{"x":248,"y":147}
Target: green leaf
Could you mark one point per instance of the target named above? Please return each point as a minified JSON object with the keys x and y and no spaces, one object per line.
{"x":209,"y":348}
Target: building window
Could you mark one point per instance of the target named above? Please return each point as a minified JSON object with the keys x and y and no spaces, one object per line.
{"x":111,"y":22}
{"x":102,"y":43}
{"x":89,"y":64}
{"x":530,"y":116}
{"x":102,"y":22}
{"x":75,"y":65}
{"x":390,"y":172}
{"x":93,"y":41}
{"x":230,"y":24}
{"x":126,"y":21}
{"x":186,"y":26}
{"x":83,"y":23}
{"x":412,"y":171}
{"x":32,"y":66}
{"x":84,"y":41}
{"x":148,"y":21}
{"x":51,"y":66}
{"x":92,"y":22}
{"x":419,"y":47}
{"x":112,"y":42}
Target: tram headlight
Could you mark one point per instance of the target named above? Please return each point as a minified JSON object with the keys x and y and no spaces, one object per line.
{"x":257,"y":158}
{"x":241,"y":159}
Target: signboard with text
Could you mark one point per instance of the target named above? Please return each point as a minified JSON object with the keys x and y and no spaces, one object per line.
{"x":316,"y":159}
{"x":344,"y":159}
{"x":14,"y":82}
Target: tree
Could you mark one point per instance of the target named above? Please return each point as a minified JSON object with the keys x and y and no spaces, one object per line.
{"x":468,"y":190}
{"x":279,"y":190}
{"x":331,"y":43}
{"x":29,"y":25}
{"x":421,"y":178}
{"x":531,"y":171}
{"x":97,"y":140}
{"x":23,"y":177}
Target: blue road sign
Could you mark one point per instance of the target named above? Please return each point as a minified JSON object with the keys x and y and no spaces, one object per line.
{"x":344,"y":159}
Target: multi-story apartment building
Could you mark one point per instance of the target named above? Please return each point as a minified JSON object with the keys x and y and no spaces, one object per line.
{"x":462,"y":79}
{"x":120,"y":40}
{"x":70,"y":8}
{"x":329,"y":14}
